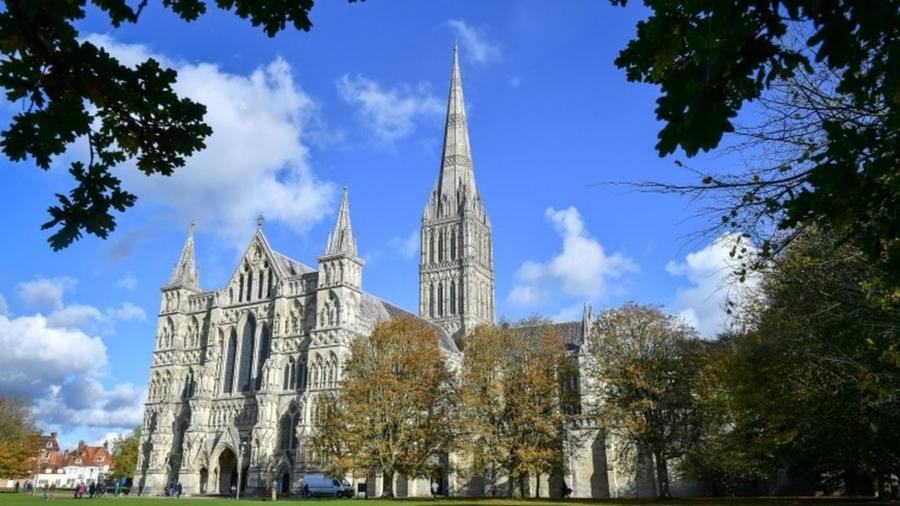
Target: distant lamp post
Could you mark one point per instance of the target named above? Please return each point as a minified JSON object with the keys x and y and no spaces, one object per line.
{"x":240,"y":464}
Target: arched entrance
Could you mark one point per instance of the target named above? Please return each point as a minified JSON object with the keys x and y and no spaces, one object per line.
{"x":227,"y":468}
{"x":286,"y":483}
{"x":204,"y":479}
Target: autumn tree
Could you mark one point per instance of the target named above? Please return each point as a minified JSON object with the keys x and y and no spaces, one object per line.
{"x":71,"y":90}
{"x":19,"y":438}
{"x":393,"y":412}
{"x":643,"y":363}
{"x":814,"y":373}
{"x":510,"y":395}
{"x":125,"y":454}
{"x":822,"y":80}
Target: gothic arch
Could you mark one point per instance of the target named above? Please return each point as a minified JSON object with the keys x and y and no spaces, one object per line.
{"x":230,"y":358}
{"x":245,"y":354}
{"x":263,"y":354}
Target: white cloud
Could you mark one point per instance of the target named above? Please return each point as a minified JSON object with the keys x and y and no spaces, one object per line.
{"x":709,"y":271}
{"x":37,"y":355}
{"x":84,"y":401}
{"x":128,"y":282}
{"x":58,"y":361}
{"x":45,"y":293}
{"x":408,"y":247}
{"x":474,"y":42}
{"x":390,"y":114}
{"x":129,"y":312}
{"x":255,"y":161}
{"x":75,"y":316}
{"x":582,"y":269}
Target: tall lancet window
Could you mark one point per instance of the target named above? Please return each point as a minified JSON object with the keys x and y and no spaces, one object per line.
{"x":250,"y":285}
{"x":246,"y":355}
{"x":263,"y":355}
{"x":453,"y":297}
{"x":440,"y":296}
{"x":228,"y":379}
{"x":262,"y":278}
{"x":431,"y":300}
{"x":441,"y":246}
{"x":431,"y":246}
{"x":241,"y":289}
{"x":453,"y":245}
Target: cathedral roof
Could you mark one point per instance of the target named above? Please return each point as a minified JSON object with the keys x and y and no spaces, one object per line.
{"x":289,"y":266}
{"x":572,"y":332}
{"x":375,"y":309}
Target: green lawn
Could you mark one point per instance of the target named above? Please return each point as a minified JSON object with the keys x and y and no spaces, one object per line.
{"x":9,"y":499}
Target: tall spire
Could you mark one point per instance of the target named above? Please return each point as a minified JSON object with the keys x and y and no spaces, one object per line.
{"x":341,"y":240}
{"x":457,"y":177}
{"x":185,"y":274}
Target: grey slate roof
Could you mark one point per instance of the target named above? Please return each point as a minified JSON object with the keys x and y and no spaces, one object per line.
{"x":571,"y":332}
{"x":378,"y":310}
{"x":290,"y":266}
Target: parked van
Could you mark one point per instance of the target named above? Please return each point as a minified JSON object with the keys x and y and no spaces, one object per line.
{"x":320,"y":485}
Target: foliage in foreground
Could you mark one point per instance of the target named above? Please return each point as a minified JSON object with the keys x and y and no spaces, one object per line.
{"x":19,"y":438}
{"x":72,"y":90}
{"x":393,"y":412}
{"x":511,"y":404}
{"x":813,"y":381}
{"x":125,"y":454}
{"x":642,"y":371}
{"x":825,"y":78}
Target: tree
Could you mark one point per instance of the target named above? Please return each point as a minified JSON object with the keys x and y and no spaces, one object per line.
{"x":825,"y":77}
{"x":393,"y":412}
{"x":644,"y":362}
{"x":125,"y":454}
{"x":728,"y":454}
{"x":72,"y":90}
{"x":814,"y":374}
{"x":510,"y":398}
{"x":19,"y":438}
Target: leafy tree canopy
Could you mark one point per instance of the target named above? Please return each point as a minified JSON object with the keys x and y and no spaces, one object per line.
{"x":73,"y":90}
{"x":834,"y":94}
{"x":393,"y":410}
{"x":19,"y":438}
{"x":125,"y":454}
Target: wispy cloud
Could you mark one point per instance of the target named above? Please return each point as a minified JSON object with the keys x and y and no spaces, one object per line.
{"x":583,"y":269}
{"x":709,"y":271}
{"x":390,"y":114}
{"x":475,"y":42}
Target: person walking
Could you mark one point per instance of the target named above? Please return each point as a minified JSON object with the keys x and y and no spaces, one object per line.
{"x":16,"y":488}
{"x":52,"y":489}
{"x":46,"y":491}
{"x":274,"y":490}
{"x":434,"y":489}
{"x":178,"y":490}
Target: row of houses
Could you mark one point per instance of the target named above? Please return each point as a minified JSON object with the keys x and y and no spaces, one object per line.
{"x":67,"y":468}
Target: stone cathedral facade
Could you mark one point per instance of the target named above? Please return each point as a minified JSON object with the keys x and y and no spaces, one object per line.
{"x":236,"y":370}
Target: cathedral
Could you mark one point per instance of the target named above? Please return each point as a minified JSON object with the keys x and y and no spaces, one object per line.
{"x":236,"y":370}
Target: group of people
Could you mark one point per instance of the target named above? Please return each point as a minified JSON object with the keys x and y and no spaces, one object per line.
{"x":174,"y":490}
{"x":92,"y":490}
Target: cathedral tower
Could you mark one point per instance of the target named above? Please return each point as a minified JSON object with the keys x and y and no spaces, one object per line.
{"x":456,"y":270}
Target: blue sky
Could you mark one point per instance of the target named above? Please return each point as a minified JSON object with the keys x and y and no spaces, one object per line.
{"x":359,"y":101}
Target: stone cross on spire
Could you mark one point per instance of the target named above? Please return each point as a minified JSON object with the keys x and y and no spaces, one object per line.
{"x":260,"y":219}
{"x":185,"y":274}
{"x":341,"y":240}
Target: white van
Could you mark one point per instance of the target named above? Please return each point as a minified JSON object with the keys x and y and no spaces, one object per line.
{"x":320,"y":485}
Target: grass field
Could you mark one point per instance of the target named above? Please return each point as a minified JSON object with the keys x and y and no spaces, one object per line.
{"x":10,"y":499}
